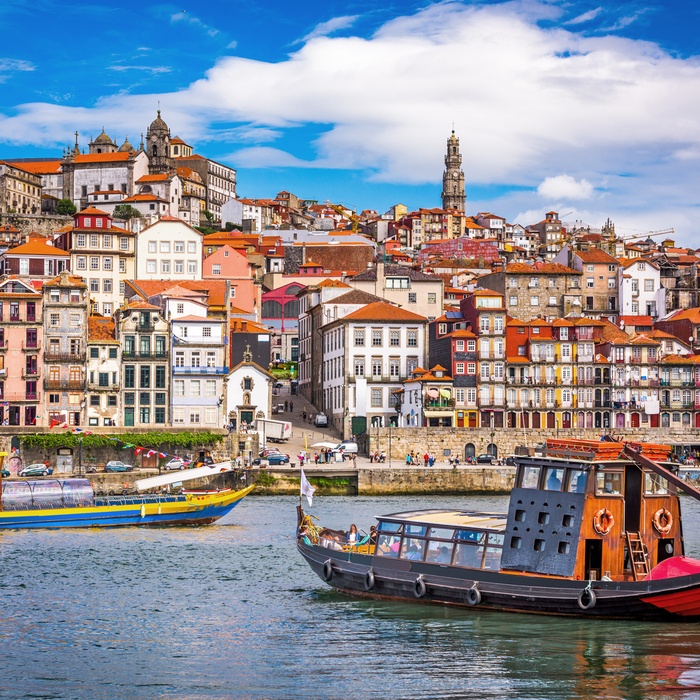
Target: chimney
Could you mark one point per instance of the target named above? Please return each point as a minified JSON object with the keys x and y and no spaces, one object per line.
{"x":379,"y":286}
{"x":244,"y":326}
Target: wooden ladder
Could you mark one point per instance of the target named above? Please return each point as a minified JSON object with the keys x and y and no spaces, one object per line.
{"x":638,"y":555}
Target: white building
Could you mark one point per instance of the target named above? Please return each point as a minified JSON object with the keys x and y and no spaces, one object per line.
{"x":639,"y":284}
{"x":248,"y":393}
{"x":103,"y":373}
{"x":367,"y":355}
{"x":169,"y":249}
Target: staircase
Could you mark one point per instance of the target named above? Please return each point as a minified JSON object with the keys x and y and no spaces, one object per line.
{"x":639,"y":556}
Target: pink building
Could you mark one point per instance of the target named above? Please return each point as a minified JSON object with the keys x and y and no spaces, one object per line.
{"x":20,"y":346}
{"x":228,"y":263}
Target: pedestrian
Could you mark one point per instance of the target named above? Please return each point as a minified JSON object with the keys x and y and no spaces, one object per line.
{"x":316,"y":458}
{"x":408,"y":459}
{"x":371,"y":456}
{"x":301,"y":459}
{"x":426,"y":459}
{"x":291,"y":406}
{"x":354,"y":460}
{"x":303,"y":415}
{"x":286,"y":406}
{"x":431,"y":459}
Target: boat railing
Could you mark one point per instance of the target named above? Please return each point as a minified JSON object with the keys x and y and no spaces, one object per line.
{"x":98,"y":501}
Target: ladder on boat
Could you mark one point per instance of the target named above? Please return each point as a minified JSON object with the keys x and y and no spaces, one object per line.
{"x":639,"y":557}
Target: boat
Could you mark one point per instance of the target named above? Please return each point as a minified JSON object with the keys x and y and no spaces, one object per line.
{"x":593,"y":529}
{"x":71,"y":502}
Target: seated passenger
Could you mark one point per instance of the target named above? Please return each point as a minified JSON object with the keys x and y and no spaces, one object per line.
{"x":353,"y":535}
{"x":373,"y":534}
{"x":444,"y":557}
{"x":413,"y":553}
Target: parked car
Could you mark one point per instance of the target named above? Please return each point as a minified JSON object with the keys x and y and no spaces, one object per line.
{"x":321,"y":420}
{"x":485,"y":459}
{"x":278,"y":385}
{"x":348,"y":447}
{"x":38,"y":469}
{"x":174,"y":463}
{"x":118,"y":466}
{"x":270,"y":451}
{"x":277,"y":458}
{"x":5,"y":473}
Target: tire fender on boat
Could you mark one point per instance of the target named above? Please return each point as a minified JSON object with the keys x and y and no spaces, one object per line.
{"x":473,"y":595}
{"x":587,"y":599}
{"x":369,"y":580}
{"x":603,"y":521}
{"x":143,"y":511}
{"x":662,"y":521}
{"x":327,"y":570}
{"x":419,"y":587}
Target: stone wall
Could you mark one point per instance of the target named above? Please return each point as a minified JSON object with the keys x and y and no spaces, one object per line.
{"x":443,"y":442}
{"x":382,"y":481}
{"x":42,"y":223}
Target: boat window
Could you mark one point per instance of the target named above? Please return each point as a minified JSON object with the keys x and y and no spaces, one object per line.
{"x":496,"y":538}
{"x":418,"y":530}
{"x":554,"y":478}
{"x":474,"y":536}
{"x":469,"y":555}
{"x":492,"y":559}
{"x":388,"y":527}
{"x":412,"y":549}
{"x":577,"y":481}
{"x":442,"y":533}
{"x":530,"y":478}
{"x":439,"y":553}
{"x":388,"y":546}
{"x":655,"y":485}
{"x":609,"y":483}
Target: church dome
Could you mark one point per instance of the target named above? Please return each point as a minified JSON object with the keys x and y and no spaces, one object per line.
{"x":126,"y":146}
{"x":158,"y":124}
{"x":103,"y":139}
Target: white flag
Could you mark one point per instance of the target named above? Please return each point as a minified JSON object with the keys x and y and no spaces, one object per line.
{"x":306,"y":488}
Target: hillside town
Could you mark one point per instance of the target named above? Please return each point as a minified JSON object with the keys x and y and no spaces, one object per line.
{"x":138,"y":290}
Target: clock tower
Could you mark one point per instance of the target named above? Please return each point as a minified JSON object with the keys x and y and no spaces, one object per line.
{"x":453,"y":194}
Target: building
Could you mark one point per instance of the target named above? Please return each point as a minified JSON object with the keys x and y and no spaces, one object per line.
{"x":194,"y":194}
{"x":280,"y":313}
{"x":640,"y":290}
{"x":427,"y":399}
{"x":234,"y":266}
{"x":65,"y":313}
{"x":144,"y":336}
{"x":453,"y":193}
{"x":169,"y":249}
{"x":20,"y":190}
{"x":38,"y":257}
{"x":219,"y":180}
{"x":367,"y":355}
{"x":167,"y":187}
{"x":248,"y":395}
{"x":21,"y":337}
{"x":104,"y":373}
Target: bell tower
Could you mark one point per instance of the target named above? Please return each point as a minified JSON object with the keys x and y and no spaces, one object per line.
{"x":453,"y":194}
{"x":158,"y":146}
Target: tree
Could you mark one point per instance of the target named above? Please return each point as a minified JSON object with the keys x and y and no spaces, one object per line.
{"x":208,"y":215}
{"x":125,"y":212}
{"x":65,"y":207}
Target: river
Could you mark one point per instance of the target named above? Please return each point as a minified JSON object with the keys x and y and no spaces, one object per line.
{"x":232,"y":611}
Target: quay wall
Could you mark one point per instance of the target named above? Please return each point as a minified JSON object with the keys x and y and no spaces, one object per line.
{"x":446,"y":442}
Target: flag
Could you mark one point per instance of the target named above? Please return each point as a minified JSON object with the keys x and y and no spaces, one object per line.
{"x":162,"y":455}
{"x":138,"y":450}
{"x":54,"y":423}
{"x":306,"y":488}
{"x":150,"y":453}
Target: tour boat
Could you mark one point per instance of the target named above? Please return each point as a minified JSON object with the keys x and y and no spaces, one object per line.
{"x":54,"y":503}
{"x":593,"y":529}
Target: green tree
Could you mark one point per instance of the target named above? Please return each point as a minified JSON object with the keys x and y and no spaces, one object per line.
{"x":208,"y":215}
{"x":65,"y":207}
{"x":126,"y":212}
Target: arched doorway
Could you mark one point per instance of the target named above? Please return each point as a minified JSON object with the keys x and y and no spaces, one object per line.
{"x":492,"y":450}
{"x":551,"y":420}
{"x":619,"y":420}
{"x":469,"y":450}
{"x":536,"y":420}
{"x":512,"y":419}
{"x":635,"y":420}
{"x":566,"y":419}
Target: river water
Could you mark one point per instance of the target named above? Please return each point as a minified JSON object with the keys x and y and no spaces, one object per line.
{"x":232,"y":611}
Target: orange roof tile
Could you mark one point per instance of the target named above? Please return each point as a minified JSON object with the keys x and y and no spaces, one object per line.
{"x":596,"y":255}
{"x":103,"y":157}
{"x":158,"y":177}
{"x":101,"y":329}
{"x":541,"y":268}
{"x":40,"y":167}
{"x":92,"y":211}
{"x":381,"y":311}
{"x":37,"y":246}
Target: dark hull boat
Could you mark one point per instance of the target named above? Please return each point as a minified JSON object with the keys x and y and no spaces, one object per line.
{"x":592,"y":530}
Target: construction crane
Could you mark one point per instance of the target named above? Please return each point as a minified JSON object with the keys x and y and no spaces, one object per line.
{"x":351,"y":216}
{"x":648,"y":234}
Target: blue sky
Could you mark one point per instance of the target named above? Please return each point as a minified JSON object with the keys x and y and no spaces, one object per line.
{"x":582,"y":107}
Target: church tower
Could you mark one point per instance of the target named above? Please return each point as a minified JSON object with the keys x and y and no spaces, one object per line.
{"x":453,"y":194}
{"x":158,"y":146}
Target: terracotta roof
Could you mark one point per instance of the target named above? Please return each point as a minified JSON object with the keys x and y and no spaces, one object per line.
{"x":146,"y":197}
{"x":333,"y":283}
{"x":198,"y":319}
{"x":91,"y":211}
{"x":541,"y":268}
{"x":38,"y":246}
{"x":596,"y":255}
{"x":38,"y":167}
{"x":518,"y":359}
{"x":102,"y":157}
{"x":236,"y":326}
{"x":159,"y":177}
{"x":627,"y":262}
{"x":680,"y":360}
{"x":381,"y":311}
{"x":71,"y":281}
{"x":692,"y":315}
{"x":396,"y":271}
{"x":636,"y":320}
{"x":140,"y":304}
{"x":178,"y":141}
{"x":101,"y":329}
{"x":214,"y":289}
{"x":356,"y":296}
{"x":461,"y":333}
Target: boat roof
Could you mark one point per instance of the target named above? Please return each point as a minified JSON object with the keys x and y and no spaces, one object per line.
{"x":450,"y":518}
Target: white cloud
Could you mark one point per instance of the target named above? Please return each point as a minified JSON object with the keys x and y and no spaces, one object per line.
{"x":565,"y":187}
{"x":526,"y":100}
{"x":232,"y":44}
{"x":326,"y":28}
{"x":194,"y":21}
{"x":155,"y":70}
{"x":15,"y":64}
{"x":585,"y":17}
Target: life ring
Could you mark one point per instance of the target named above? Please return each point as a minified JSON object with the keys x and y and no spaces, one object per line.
{"x":369,"y":580}
{"x":603,"y":521}
{"x":663,"y":521}
{"x":473,"y":595}
{"x":327,"y":570}
{"x":419,"y":587}
{"x":587,"y":599}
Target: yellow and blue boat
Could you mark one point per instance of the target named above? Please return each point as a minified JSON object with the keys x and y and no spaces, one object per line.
{"x":54,"y":503}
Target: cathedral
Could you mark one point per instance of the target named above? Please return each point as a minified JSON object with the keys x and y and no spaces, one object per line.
{"x":453,"y":194}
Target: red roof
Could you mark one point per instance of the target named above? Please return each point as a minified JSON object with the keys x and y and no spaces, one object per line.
{"x":381,"y":311}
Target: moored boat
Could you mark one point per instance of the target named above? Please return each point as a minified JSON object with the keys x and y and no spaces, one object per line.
{"x":593,"y":529}
{"x":55,"y":503}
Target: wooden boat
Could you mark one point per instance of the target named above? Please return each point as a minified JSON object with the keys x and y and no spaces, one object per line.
{"x":593,"y":529}
{"x":55,"y":503}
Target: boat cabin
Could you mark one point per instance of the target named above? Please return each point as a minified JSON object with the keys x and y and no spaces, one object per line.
{"x":589,"y":510}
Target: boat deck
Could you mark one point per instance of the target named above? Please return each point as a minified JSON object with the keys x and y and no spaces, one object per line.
{"x":452,"y":518}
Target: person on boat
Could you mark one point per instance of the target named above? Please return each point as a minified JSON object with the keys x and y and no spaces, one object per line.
{"x":413,"y":553}
{"x":304,"y":536}
{"x":353,"y":535}
{"x":373,"y":534}
{"x":444,"y":556}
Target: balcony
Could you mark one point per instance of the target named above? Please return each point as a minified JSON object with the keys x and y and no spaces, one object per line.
{"x":603,"y":404}
{"x":67,"y":384}
{"x":200,"y":370}
{"x":96,"y":386}
{"x":16,"y":398}
{"x":31,"y":346}
{"x":441,"y":405}
{"x":133,"y":355}
{"x":31,"y":373}
{"x":50,"y":356}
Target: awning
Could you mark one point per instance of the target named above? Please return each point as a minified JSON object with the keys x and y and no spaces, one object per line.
{"x":433,"y":393}
{"x":445,"y":393}
{"x":327,"y":445}
{"x":184,"y":475}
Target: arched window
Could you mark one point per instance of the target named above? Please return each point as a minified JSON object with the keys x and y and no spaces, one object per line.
{"x":155,"y":151}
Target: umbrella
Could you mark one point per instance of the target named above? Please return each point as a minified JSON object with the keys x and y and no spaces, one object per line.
{"x":329,"y":445}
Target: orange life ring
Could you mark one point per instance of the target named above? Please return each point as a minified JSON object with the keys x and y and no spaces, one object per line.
{"x":663,"y":521}
{"x":603,"y":521}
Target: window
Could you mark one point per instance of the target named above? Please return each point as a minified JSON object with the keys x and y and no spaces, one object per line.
{"x":195,"y":417}
{"x":165,"y":246}
{"x":471,"y":367}
{"x":359,"y":337}
{"x":432,"y":298}
{"x":80,"y":240}
{"x":107,"y":241}
{"x":359,"y":364}
{"x":179,"y":246}
{"x":459,"y":346}
{"x":534,"y":282}
{"x":195,"y":387}
{"x":165,"y":267}
{"x":94,"y":353}
{"x":216,"y":269}
{"x":82,"y":262}
{"x":179,"y":387}
{"x":376,"y":338}
{"x":412,"y":297}
{"x":123,"y":243}
{"x":75,"y":320}
{"x":152,"y":247}
{"x":180,"y":308}
{"x":129,"y":398}
{"x":94,"y":263}
{"x":210,"y":387}
{"x":151,"y":266}
{"x":590,"y":282}
{"x":459,"y":368}
{"x":94,"y":240}
{"x":160,"y":377}
{"x":377,"y":398}
{"x":191,"y":247}
{"x":513,"y":301}
{"x":394,"y":368}
{"x":648,"y":285}
{"x":590,"y":268}
{"x":195,"y":359}
{"x":179,"y":267}
{"x":206,"y":332}
{"x":145,"y":414}
{"x":612,"y":283}
{"x":145,"y":377}
{"x":112,"y":353}
{"x":122,"y":264}
{"x":394,"y":338}
{"x":642,"y":266}
{"x":552,"y":301}
{"x":107,"y":286}
{"x":129,"y":376}
{"x":412,"y":338}
{"x":54,"y":319}
{"x":191,"y":267}
{"x":534,"y":301}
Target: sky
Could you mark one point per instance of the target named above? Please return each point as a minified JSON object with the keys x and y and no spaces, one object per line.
{"x":586,"y":108}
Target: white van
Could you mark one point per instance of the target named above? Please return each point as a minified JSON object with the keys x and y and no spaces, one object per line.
{"x":348,"y":447}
